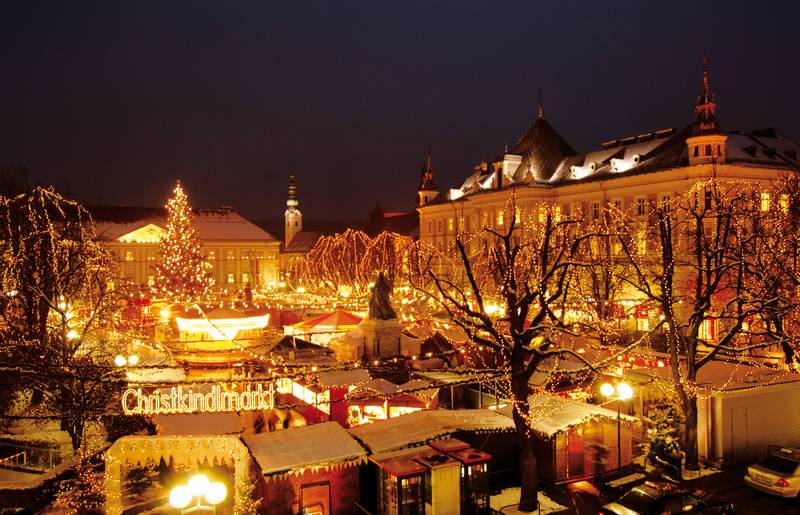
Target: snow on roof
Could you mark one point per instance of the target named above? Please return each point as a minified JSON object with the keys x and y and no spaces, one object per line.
{"x":343,"y":377}
{"x":293,"y":450}
{"x":551,"y":414}
{"x":724,"y":376}
{"x":155,"y":375}
{"x":112,"y":222}
{"x":198,"y":424}
{"x":420,"y":427}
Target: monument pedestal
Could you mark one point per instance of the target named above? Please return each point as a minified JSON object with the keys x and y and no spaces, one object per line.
{"x":381,"y":337}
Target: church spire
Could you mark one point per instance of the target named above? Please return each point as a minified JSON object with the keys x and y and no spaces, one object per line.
{"x":706,"y":108}
{"x":293,"y":218}
{"x":540,"y":113}
{"x":427,"y":184}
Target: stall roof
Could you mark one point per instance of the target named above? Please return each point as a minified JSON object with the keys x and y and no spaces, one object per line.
{"x":343,"y":377}
{"x":292,"y":450}
{"x":551,"y":414}
{"x":422,"y":426}
{"x":722,"y":376}
{"x":198,"y":424}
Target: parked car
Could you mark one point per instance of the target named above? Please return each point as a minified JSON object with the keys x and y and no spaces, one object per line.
{"x":664,"y":499}
{"x":779,"y":474}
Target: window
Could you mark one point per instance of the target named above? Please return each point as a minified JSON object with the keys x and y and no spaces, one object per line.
{"x":542,"y":214}
{"x":231,"y":278}
{"x":212,"y":255}
{"x":784,"y":203}
{"x":439,"y":226}
{"x":500,"y":218}
{"x":557,"y":214}
{"x":666,"y":203}
{"x":641,"y":243}
{"x":765,"y":202}
{"x":151,"y":281}
{"x":517,"y":215}
{"x":640,"y":206}
{"x":595,"y":210}
{"x":449,"y":225}
{"x":708,"y":330}
{"x":231,"y":255}
{"x":696,"y":151}
{"x":128,"y":255}
{"x":709,"y":152}
{"x":430,"y":227}
{"x":708,"y":200}
{"x":245,"y":277}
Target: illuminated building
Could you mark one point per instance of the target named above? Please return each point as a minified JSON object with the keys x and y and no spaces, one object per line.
{"x":240,"y":251}
{"x":542,"y":170}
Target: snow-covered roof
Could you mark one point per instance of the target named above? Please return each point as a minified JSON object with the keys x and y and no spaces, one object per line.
{"x":155,"y":375}
{"x":112,"y":222}
{"x":296,"y":449}
{"x":551,"y":414}
{"x":343,"y":377}
{"x":198,"y":424}
{"x":726,"y":377}
{"x":422,"y":426}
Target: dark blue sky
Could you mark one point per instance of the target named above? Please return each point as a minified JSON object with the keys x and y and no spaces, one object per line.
{"x":124,"y":98}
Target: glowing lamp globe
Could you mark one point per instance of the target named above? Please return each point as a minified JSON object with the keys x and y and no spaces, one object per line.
{"x":198,"y":484}
{"x":216,"y":493}
{"x":607,"y":389}
{"x":180,"y":497}
{"x":120,"y":360}
{"x":133,"y":360}
{"x":624,"y":390}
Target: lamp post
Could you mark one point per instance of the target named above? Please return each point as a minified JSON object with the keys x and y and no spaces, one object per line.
{"x":199,"y":487}
{"x":623,"y":392}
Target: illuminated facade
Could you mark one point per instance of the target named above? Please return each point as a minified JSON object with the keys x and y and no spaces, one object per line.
{"x":542,"y":171}
{"x":241,"y":252}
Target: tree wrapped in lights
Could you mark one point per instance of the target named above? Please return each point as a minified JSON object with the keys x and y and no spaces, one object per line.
{"x":182,"y":272}
{"x":353,"y":259}
{"x":511,"y":291}
{"x":58,"y":307}
{"x":85,"y":493}
{"x":691,"y":258}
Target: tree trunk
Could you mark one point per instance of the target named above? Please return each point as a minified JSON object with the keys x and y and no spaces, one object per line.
{"x":690,"y":435}
{"x":529,"y":480}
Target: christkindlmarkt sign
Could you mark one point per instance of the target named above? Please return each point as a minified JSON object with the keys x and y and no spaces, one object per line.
{"x":187,"y":400}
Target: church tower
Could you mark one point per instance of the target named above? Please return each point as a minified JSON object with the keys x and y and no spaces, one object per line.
{"x":707,"y":144}
{"x":293,"y":218}
{"x":428,"y":190}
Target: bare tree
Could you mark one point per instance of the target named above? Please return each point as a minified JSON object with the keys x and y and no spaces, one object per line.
{"x":510,"y":291}
{"x":57,"y":306}
{"x":689,"y":261}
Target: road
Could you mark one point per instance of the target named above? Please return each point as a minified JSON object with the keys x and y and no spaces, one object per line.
{"x":729,"y":485}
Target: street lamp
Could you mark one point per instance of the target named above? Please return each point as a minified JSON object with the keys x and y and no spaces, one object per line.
{"x":623,"y":392}
{"x":199,"y":487}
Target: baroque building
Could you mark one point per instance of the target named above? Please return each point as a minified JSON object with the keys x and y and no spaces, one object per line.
{"x":631,"y":173}
{"x":241,"y":252}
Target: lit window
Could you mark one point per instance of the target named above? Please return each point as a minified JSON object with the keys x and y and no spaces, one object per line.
{"x":640,"y":206}
{"x":500,"y":218}
{"x":557,"y":214}
{"x":642,"y":315}
{"x":211,"y":255}
{"x":231,"y":278}
{"x":708,"y":330}
{"x":542,"y":214}
{"x":449,"y":225}
{"x":517,"y":215}
{"x":231,"y":254}
{"x":765,"y":202}
{"x":128,"y":255}
{"x":784,"y":202}
{"x":151,"y":280}
{"x":245,"y":277}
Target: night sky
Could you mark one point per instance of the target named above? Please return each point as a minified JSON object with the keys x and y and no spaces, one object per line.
{"x":122,"y":99}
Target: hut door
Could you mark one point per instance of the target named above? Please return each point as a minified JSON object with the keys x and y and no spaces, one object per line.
{"x":575,"y":453}
{"x":316,"y":499}
{"x":739,"y":436}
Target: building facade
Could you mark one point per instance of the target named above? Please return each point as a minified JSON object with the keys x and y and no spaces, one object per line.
{"x":241,"y":252}
{"x":542,"y":171}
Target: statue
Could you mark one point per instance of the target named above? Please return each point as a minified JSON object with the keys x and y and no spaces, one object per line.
{"x":379,"y":306}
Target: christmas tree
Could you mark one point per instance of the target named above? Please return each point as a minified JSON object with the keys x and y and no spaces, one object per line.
{"x":182,"y":273}
{"x":663,"y":448}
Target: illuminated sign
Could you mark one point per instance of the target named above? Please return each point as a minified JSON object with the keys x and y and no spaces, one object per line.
{"x":185,"y":400}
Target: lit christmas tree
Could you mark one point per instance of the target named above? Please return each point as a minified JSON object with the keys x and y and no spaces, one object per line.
{"x":182,"y":273}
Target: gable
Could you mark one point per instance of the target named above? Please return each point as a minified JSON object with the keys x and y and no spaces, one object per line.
{"x":150,"y":233}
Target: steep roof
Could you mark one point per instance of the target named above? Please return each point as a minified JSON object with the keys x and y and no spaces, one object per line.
{"x":221,"y":224}
{"x":542,"y":149}
{"x":302,"y":242}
